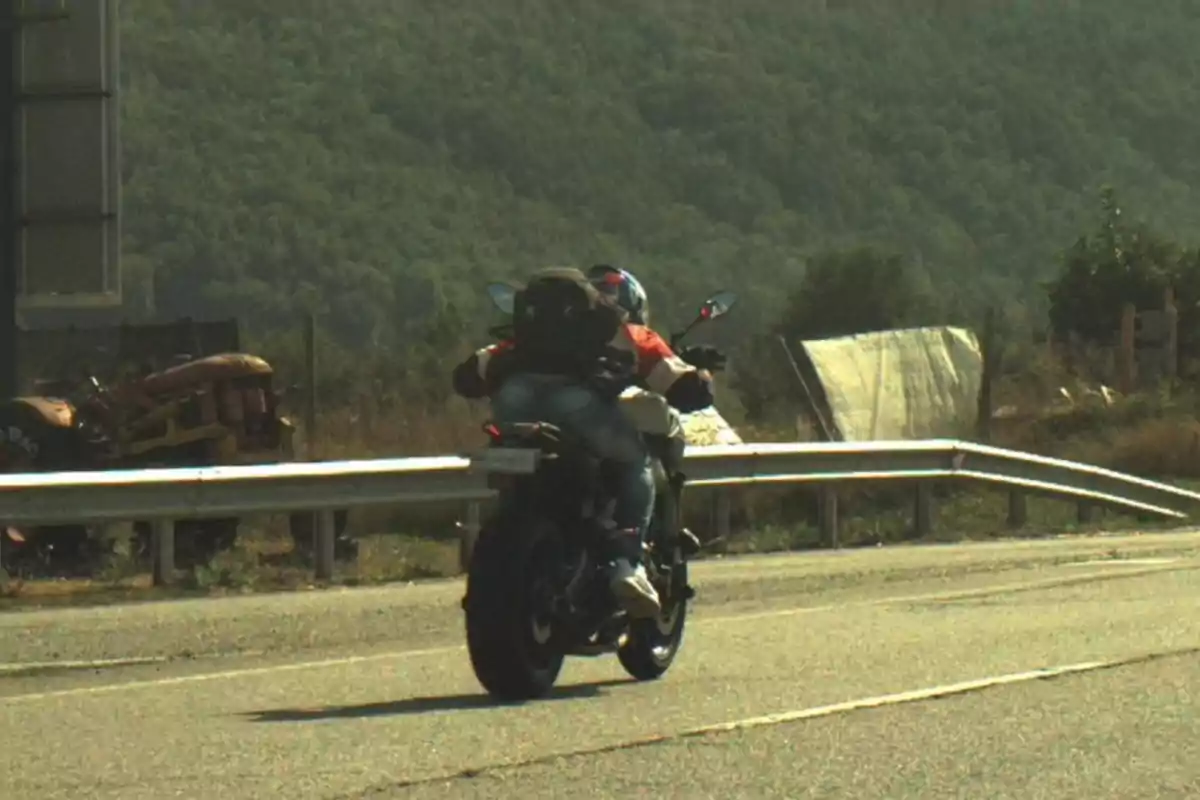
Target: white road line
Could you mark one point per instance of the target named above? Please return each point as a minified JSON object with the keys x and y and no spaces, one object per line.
{"x":958,"y":594}
{"x":929,"y":693}
{"x":1122,"y":562}
{"x":799,"y":715}
{"x":720,"y":620}
{"x":899,"y":698}
{"x":99,"y":663}
{"x":226,"y":674}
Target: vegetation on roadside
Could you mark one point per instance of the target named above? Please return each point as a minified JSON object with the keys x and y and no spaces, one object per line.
{"x":378,"y":162}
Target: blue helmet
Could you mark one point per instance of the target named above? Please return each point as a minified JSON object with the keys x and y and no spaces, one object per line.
{"x":626,"y":289}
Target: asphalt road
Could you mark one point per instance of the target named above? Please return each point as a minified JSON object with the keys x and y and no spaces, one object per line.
{"x":828,"y":668}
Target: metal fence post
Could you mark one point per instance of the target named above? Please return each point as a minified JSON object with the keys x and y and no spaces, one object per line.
{"x":827,"y":510}
{"x":1018,"y":508}
{"x":162,"y":551}
{"x":722,"y":512}
{"x":923,"y":510}
{"x":324,"y":549}
{"x":468,"y":534}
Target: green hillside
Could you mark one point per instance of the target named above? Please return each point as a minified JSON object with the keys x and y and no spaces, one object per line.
{"x":386,"y":157}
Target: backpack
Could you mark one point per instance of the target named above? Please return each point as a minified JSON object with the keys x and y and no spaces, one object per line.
{"x":562,"y":324}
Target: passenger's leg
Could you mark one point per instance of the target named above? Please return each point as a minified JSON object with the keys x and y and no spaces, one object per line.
{"x":612,"y":436}
{"x":519,"y":400}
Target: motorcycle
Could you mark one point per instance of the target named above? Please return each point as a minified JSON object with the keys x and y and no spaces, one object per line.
{"x":537,"y":587}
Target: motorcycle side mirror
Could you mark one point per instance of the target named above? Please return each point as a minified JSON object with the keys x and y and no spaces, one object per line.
{"x":503,"y":296}
{"x":718,"y":305}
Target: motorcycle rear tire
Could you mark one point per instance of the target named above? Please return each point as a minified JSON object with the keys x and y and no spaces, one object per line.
{"x":507,"y":659}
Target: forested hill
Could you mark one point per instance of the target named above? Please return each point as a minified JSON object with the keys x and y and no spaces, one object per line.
{"x":388,"y":157}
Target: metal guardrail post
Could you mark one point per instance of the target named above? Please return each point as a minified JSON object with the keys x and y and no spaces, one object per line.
{"x":1085,"y":512}
{"x":827,"y":512}
{"x":923,"y":510}
{"x":468,"y":534}
{"x":162,"y":551}
{"x":4,"y":547}
{"x":722,"y":512}
{"x":1018,"y":508}
{"x":324,"y":549}
{"x":474,"y":515}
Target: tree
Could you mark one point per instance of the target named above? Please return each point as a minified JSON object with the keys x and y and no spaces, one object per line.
{"x":858,"y":290}
{"x":1121,"y":262}
{"x":843,"y":292}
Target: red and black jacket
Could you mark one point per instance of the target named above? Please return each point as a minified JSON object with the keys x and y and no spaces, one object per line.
{"x":655,"y":367}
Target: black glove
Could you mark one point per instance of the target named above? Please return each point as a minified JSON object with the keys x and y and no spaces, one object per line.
{"x":702,"y":356}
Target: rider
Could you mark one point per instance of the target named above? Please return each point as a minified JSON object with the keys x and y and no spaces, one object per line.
{"x":597,"y":417}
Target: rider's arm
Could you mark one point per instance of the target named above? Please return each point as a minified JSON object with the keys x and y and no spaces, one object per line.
{"x":685,"y":387}
{"x":479,"y":375}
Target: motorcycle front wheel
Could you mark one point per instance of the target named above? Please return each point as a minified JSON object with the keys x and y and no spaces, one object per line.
{"x":507,"y":609}
{"x":652,"y":644}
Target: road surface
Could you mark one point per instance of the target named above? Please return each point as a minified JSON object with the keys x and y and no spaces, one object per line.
{"x":1050,"y":669}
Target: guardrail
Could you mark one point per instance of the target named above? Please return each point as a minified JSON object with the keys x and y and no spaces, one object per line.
{"x":165,"y":495}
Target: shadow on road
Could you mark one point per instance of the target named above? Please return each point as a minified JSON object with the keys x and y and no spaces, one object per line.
{"x":423,"y":705}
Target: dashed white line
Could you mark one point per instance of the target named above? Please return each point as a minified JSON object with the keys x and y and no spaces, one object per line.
{"x":226,"y":674}
{"x":99,"y":663}
{"x":813,"y":712}
{"x":1122,"y":562}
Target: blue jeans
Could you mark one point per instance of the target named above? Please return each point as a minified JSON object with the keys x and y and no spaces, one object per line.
{"x":601,"y":423}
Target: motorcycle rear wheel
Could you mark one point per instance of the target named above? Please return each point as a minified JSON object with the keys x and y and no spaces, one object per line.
{"x":508,"y":638}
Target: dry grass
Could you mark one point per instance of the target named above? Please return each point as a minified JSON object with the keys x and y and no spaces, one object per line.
{"x":1162,"y":447}
{"x":374,"y":429}
{"x":1153,"y":437}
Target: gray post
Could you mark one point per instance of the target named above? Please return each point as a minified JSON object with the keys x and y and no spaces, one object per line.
{"x":310,"y":426}
{"x":923,"y":510}
{"x":162,"y":551}
{"x":1018,"y":508}
{"x":722,"y":512}
{"x":468,"y":533}
{"x":474,"y":515}
{"x":324,"y":548}
{"x":828,"y":513}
